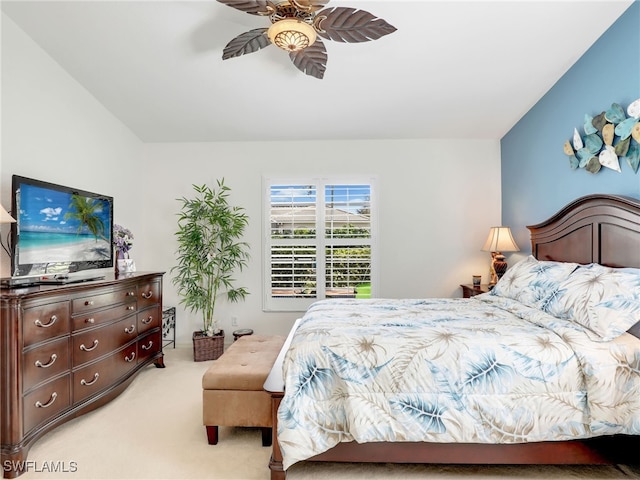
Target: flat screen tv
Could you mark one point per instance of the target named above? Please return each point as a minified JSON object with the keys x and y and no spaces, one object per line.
{"x":59,"y":229}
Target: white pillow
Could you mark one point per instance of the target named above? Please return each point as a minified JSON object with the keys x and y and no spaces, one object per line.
{"x":530,"y":281}
{"x":604,"y":300}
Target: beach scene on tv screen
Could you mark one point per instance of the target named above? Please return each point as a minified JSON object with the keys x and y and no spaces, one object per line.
{"x":57,"y":226}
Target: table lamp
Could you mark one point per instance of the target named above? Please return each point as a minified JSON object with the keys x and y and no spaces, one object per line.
{"x":499,"y":240}
{"x":5,"y":217}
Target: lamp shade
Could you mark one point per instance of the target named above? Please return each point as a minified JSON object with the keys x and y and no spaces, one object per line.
{"x":500,"y":240}
{"x":291,"y":34}
{"x":5,"y":217}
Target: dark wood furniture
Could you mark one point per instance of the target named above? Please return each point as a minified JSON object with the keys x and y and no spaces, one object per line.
{"x":596,"y":228}
{"x":67,"y":350}
{"x":469,"y":290}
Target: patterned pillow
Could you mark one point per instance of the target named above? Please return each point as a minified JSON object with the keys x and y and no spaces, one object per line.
{"x":604,"y":300}
{"x":530,"y":281}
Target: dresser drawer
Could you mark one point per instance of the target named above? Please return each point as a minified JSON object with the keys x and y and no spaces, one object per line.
{"x":46,"y":361}
{"x":149,"y":346}
{"x":148,"y":294}
{"x":94,"y":302}
{"x":45,"y":378}
{"x":93,"y":319}
{"x":148,"y":319}
{"x":45,"y":322}
{"x":99,"y":375}
{"x":46,"y":401}
{"x":92,"y":344}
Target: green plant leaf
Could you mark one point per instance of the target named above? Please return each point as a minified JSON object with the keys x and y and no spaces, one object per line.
{"x":209,"y":250}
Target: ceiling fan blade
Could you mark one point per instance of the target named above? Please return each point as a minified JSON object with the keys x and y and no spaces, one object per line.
{"x":309,"y":5}
{"x":254,"y":7}
{"x":311,"y":60}
{"x":248,"y":42}
{"x":350,"y":25}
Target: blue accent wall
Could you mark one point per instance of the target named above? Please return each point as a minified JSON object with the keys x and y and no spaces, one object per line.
{"x":536,"y":178}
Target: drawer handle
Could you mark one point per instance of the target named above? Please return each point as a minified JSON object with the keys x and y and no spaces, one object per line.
{"x":147,"y":295}
{"x":92,"y":347}
{"x":148,"y":347}
{"x":131,"y":294}
{"x":51,"y":361}
{"x":131,"y":329}
{"x":147,"y":320}
{"x":131,"y":307}
{"x":52,"y":320}
{"x":89,"y":320}
{"x":88,"y":303}
{"x":133,"y":356}
{"x":91,"y":382}
{"x":39,"y":404}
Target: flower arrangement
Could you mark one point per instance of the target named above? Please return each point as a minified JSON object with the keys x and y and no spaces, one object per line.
{"x":122,"y":240}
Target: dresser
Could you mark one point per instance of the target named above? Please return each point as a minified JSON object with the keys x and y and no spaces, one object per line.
{"x":66,"y":350}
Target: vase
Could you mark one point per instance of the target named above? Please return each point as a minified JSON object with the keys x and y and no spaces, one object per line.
{"x":116,"y":255}
{"x":123,"y":263}
{"x":126,"y":265}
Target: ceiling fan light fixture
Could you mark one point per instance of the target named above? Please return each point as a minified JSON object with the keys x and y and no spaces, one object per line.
{"x":291,"y":34}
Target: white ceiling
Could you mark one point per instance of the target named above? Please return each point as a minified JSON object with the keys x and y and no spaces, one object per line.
{"x":453,"y":69}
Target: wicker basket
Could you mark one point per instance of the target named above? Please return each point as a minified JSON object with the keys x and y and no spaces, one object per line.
{"x":207,"y":348}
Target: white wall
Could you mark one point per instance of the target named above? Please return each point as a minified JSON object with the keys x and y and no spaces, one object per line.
{"x":438,"y":200}
{"x":54,"y":130}
{"x":438,"y":197}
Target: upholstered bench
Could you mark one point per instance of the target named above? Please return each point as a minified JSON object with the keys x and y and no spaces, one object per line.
{"x":232,"y":387}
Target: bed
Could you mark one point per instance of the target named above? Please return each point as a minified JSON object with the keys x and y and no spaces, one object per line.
{"x":534,"y":372}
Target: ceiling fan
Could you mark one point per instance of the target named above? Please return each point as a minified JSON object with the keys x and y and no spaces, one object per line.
{"x":296,"y":26}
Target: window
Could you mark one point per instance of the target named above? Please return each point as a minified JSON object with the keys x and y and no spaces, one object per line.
{"x":319,"y":241}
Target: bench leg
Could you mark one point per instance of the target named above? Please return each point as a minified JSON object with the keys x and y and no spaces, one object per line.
{"x":212,"y":434}
{"x":266,"y":436}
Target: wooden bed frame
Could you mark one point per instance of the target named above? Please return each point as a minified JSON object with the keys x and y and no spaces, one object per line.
{"x":601,"y":229}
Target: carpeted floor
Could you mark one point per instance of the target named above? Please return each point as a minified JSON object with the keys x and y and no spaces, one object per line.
{"x":154,"y":431}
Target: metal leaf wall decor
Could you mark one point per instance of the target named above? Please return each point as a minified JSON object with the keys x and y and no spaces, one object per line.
{"x":608,"y":137}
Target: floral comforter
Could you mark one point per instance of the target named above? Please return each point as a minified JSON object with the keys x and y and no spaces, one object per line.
{"x":482,"y":370}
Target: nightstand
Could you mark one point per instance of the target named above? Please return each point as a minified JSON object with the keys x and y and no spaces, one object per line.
{"x":469,"y":290}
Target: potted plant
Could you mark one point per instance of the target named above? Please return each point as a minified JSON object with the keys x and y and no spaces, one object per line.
{"x":209,"y":253}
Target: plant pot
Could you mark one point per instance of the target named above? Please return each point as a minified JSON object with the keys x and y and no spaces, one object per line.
{"x":207,"y":348}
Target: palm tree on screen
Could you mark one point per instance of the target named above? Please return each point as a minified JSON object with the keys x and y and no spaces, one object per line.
{"x":83,"y":209}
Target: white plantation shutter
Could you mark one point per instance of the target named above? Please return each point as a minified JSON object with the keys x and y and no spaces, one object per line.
{"x":319,"y":239}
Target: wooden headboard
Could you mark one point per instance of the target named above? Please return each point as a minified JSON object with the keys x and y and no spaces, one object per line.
{"x":599,"y":228}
